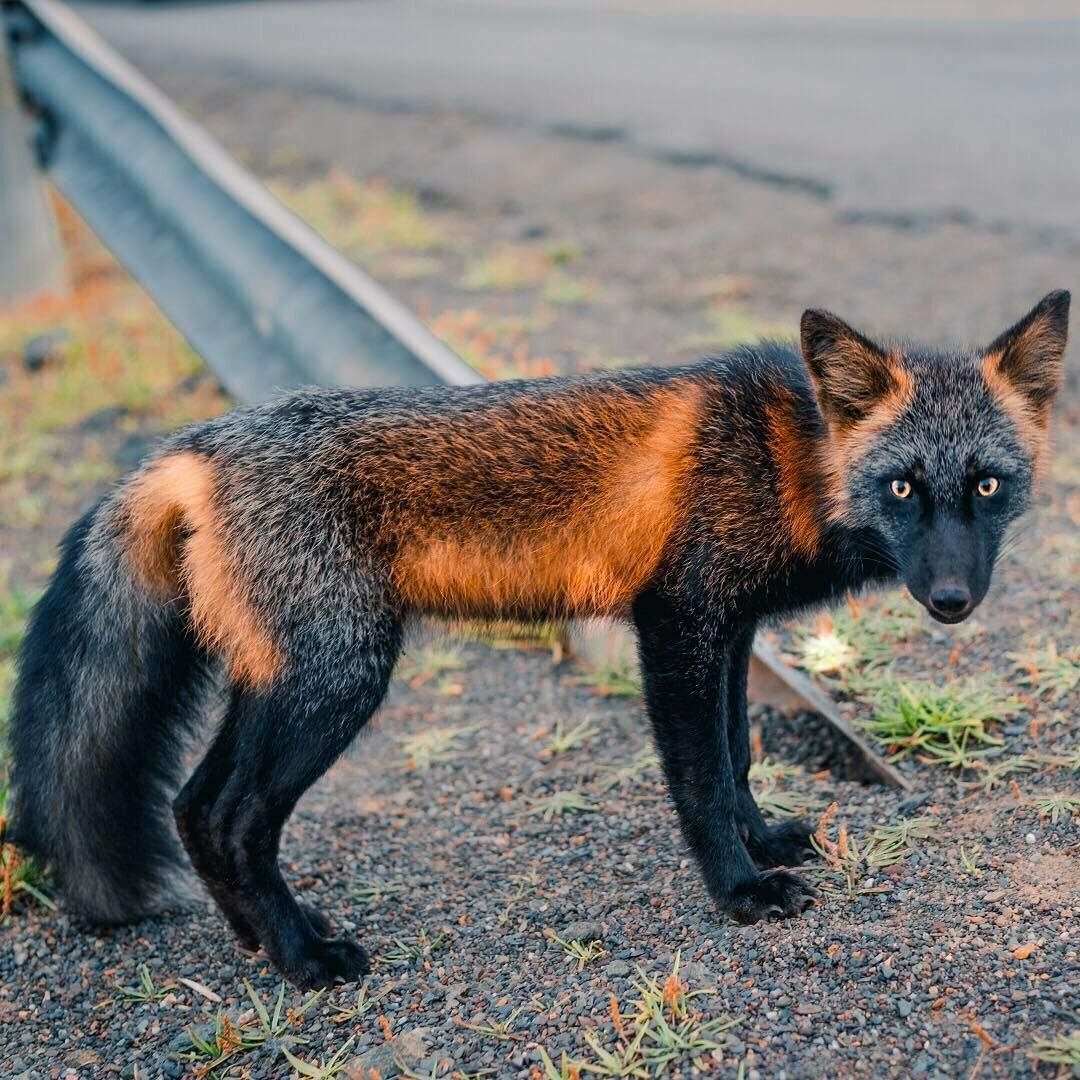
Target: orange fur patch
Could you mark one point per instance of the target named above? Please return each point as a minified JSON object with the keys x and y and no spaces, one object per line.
{"x":176,"y":545}
{"x":592,"y":560}
{"x":1032,"y":423}
{"x":796,"y":468}
{"x":850,"y":443}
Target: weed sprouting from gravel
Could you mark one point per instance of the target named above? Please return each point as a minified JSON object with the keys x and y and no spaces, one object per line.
{"x":1057,"y":806}
{"x":361,"y":1006}
{"x":504,"y":1029}
{"x":968,"y":861}
{"x":422,"y":665}
{"x":321,"y":1070}
{"x":1064,"y":1050}
{"x":827,"y":653}
{"x":21,"y":877}
{"x":564,"y":739}
{"x":657,"y":1033}
{"x":145,"y":990}
{"x":996,"y":773}
{"x":858,"y":860}
{"x":613,"y":680}
{"x":434,"y":746}
{"x":1046,"y":672}
{"x":411,"y":949}
{"x":766,"y":777}
{"x":523,"y":883}
{"x":634,"y":771}
{"x":232,"y":1037}
{"x":559,"y":803}
{"x":944,"y":725}
{"x":581,"y":951}
{"x":375,"y":890}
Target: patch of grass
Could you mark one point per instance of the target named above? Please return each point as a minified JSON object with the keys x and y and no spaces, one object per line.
{"x":214,"y":1052}
{"x":508,"y":634}
{"x":613,"y":680}
{"x":503,"y":1029}
{"x":497,"y":348}
{"x":631,"y":772}
{"x":767,"y":779}
{"x":564,"y":738}
{"x":375,"y":890}
{"x":15,"y":606}
{"x":852,"y":643}
{"x":434,"y":746}
{"x":145,"y":990}
{"x":523,"y":884}
{"x":1057,"y":806}
{"x":421,"y":665}
{"x":362,"y":219}
{"x":943,"y":725}
{"x":321,"y":1070}
{"x":729,"y":326}
{"x":996,"y":773}
{"x":364,"y":1003}
{"x":409,"y":950}
{"x":1064,"y":1050}
{"x":858,"y":860}
{"x":826,"y":653}
{"x":21,"y":878}
{"x":559,"y":803}
{"x":507,"y":268}
{"x":565,"y":1070}
{"x":1046,"y":672}
{"x":562,"y":288}
{"x":583,"y":952}
{"x":660,"y":1033}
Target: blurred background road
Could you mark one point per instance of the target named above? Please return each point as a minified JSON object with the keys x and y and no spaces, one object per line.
{"x":928,"y":116}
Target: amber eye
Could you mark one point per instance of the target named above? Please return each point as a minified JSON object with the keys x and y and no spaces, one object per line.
{"x":901,"y":488}
{"x":987,"y":486}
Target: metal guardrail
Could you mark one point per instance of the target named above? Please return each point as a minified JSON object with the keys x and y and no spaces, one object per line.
{"x":259,"y":295}
{"x":265,"y":301}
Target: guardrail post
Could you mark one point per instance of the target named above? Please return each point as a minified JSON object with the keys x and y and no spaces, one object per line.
{"x":31,"y":259}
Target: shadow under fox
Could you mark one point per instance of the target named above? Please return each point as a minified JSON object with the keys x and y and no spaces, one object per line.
{"x":280,"y":549}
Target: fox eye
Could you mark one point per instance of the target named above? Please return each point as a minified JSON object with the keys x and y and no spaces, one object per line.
{"x":987,"y":486}
{"x":901,"y":488}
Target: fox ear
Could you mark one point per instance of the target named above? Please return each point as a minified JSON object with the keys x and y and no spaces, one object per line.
{"x":1030,"y":356}
{"x":851,"y":374}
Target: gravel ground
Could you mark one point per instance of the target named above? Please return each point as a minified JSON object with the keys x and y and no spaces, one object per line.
{"x":922,"y":979}
{"x":952,"y":962}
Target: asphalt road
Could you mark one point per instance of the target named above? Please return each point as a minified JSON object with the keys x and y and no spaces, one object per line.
{"x":936,"y":115}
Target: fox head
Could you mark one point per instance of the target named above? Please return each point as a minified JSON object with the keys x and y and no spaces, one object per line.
{"x":935,"y":453}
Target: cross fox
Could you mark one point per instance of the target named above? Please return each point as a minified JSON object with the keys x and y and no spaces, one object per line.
{"x":276,"y":553}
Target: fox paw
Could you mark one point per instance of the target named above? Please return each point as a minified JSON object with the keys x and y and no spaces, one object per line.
{"x":773,"y":894}
{"x":786,"y":844}
{"x":328,"y":963}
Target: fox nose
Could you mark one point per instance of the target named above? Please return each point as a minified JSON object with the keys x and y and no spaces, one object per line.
{"x":951,"y":600}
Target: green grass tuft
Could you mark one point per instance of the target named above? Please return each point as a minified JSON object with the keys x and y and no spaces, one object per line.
{"x":944,"y":725}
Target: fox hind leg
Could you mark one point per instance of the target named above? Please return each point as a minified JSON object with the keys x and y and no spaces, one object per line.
{"x":273,"y":745}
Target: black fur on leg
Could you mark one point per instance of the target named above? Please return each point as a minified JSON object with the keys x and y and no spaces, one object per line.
{"x":786,"y":844}
{"x":685,"y":666}
{"x":272,"y":746}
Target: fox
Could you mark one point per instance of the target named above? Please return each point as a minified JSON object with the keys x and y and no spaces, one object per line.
{"x":272,"y":559}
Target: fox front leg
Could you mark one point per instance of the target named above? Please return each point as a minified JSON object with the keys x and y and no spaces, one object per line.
{"x":686,"y":670}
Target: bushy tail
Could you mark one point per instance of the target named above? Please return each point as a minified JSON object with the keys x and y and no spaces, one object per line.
{"x":108,"y":678}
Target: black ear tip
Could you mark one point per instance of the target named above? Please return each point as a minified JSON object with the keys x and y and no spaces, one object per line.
{"x":1056,"y":302}
{"x":815,"y":316}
